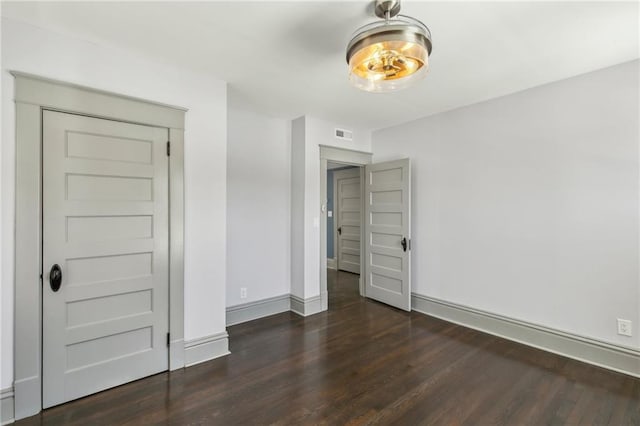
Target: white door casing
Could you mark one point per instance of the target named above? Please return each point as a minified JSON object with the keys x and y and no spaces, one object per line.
{"x":105,"y":222}
{"x":388,"y":232}
{"x":348,"y":219}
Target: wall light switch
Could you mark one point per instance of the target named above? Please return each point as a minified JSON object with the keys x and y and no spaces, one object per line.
{"x":330,"y":213}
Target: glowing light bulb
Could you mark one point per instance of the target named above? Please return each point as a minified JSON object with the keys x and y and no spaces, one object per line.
{"x":389,"y":55}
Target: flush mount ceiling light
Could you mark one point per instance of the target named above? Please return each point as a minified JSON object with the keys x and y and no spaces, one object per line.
{"x":389,"y":55}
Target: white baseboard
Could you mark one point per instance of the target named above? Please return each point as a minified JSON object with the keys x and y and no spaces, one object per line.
{"x":332,"y":263}
{"x":274,"y":305}
{"x":6,"y":406}
{"x":262,"y":308}
{"x":206,"y":348}
{"x":27,"y":397}
{"x":176,"y":354}
{"x":306,"y":307}
{"x":613,"y":357}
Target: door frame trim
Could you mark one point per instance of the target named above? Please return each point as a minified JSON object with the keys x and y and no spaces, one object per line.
{"x":347,"y":157}
{"x":33,"y":94}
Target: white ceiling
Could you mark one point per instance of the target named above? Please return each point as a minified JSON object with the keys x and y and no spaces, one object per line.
{"x":288,"y":58}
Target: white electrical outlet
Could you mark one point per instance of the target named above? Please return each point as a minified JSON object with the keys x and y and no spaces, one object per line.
{"x":243,"y":293}
{"x":624,"y":327}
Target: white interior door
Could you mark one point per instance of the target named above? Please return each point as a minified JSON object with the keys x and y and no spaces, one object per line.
{"x":388,"y":233}
{"x":348,"y":219}
{"x":105,"y":223}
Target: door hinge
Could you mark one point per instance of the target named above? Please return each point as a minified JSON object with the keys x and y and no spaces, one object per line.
{"x":168,"y":338}
{"x":409,"y":241}
{"x":168,"y":148}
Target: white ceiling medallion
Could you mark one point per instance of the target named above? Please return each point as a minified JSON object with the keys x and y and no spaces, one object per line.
{"x":391,"y":54}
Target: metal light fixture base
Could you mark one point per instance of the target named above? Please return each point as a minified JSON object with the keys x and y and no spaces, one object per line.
{"x":386,"y":9}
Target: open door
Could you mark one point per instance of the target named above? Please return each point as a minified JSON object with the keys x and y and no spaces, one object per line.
{"x":388,"y":232}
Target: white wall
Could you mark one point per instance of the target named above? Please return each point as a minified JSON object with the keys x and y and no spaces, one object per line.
{"x":527,"y":205}
{"x":320,"y":132}
{"x":37,"y":51}
{"x":297,"y":205}
{"x":258,"y":209}
{"x":6,"y":325}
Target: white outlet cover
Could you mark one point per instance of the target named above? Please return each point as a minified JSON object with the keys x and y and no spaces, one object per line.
{"x":624,"y":327}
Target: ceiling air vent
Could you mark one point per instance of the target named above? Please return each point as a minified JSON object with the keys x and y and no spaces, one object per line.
{"x":343,"y":134}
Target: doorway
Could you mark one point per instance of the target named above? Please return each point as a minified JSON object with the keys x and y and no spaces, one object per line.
{"x":385,"y":226}
{"x":338,"y":158}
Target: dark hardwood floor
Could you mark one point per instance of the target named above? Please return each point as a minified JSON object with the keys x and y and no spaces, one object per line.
{"x":365,"y":363}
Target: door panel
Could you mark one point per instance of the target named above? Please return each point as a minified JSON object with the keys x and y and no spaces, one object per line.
{"x":387,"y":223}
{"x":105,"y":222}
{"x":348,"y":219}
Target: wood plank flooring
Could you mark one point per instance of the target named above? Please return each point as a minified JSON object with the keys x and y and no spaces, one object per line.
{"x":365,"y":363}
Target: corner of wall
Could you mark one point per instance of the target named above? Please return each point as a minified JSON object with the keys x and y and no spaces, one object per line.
{"x":298,"y":137}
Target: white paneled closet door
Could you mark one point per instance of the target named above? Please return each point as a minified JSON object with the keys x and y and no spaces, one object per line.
{"x":105,"y":254}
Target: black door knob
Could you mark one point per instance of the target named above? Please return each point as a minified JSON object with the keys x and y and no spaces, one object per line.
{"x":55,"y":277}
{"x":340,"y":230}
{"x":403,"y":242}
